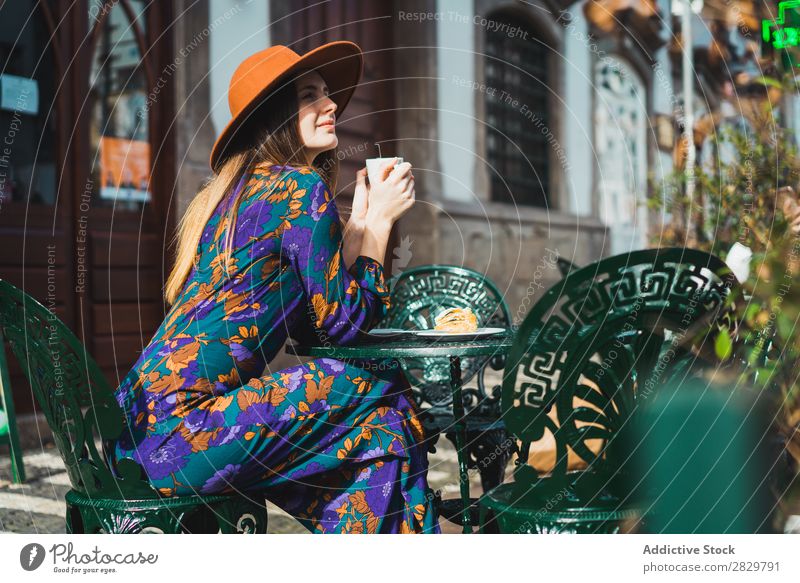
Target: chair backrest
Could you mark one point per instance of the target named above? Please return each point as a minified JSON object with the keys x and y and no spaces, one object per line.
{"x":77,"y":402}
{"x":565,"y":266}
{"x":600,"y":341}
{"x":416,"y":295}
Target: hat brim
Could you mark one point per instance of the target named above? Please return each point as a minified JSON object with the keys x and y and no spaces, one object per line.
{"x":340,"y":63}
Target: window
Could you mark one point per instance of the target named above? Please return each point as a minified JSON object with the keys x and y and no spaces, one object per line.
{"x":120,"y":106}
{"x":621,"y":146}
{"x":517,"y":114}
{"x":27,"y":106}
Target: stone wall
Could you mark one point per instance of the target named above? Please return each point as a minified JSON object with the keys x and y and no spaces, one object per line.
{"x":515,"y":248}
{"x":195,"y":132}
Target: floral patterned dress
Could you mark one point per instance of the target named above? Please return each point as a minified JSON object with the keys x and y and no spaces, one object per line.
{"x":336,"y":444}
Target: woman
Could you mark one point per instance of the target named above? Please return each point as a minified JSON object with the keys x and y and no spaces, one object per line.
{"x":262,"y":255}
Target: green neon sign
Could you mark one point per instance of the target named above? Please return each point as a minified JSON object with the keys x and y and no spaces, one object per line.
{"x":776,"y":32}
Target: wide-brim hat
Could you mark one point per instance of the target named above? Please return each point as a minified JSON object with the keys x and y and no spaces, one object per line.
{"x":340,"y":64}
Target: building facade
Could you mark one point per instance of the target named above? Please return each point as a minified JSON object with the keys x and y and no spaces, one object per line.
{"x":534,"y":129}
{"x":88,"y":166}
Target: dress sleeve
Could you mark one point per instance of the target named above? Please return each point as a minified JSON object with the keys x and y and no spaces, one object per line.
{"x":343,"y":303}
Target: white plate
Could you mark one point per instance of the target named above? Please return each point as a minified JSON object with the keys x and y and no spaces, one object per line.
{"x":388,"y":332}
{"x":479,"y":333}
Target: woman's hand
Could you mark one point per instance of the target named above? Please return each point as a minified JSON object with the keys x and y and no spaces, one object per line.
{"x":392,"y":195}
{"x":360,"y":199}
{"x":389,"y":199}
{"x":354,"y":229}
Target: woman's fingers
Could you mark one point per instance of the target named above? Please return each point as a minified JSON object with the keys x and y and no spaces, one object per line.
{"x":409,"y":192}
{"x":395,"y":194}
{"x":387,"y":169}
{"x":412,"y":199}
{"x":405,"y":202}
{"x":404,"y":183}
{"x":400,"y":171}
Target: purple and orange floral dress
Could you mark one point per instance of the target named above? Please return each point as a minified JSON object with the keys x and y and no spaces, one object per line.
{"x":336,"y":444}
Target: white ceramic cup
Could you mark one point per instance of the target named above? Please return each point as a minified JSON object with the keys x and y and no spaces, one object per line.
{"x":374,"y":166}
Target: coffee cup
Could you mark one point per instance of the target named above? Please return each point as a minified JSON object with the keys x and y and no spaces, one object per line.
{"x":374,"y":167}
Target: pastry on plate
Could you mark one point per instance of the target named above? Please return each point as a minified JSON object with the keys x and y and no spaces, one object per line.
{"x":456,"y":320}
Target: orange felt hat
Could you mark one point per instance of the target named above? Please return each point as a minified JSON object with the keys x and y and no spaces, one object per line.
{"x":340,"y":63}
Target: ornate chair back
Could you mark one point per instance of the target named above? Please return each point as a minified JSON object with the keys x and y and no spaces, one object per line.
{"x":417,"y":294}
{"x":72,"y":392}
{"x":594,"y":347}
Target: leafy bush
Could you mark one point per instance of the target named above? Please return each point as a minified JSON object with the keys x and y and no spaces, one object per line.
{"x":748,"y":196}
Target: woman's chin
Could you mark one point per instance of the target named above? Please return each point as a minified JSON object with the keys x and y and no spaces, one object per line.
{"x":326,"y":139}
{"x":321,"y":146}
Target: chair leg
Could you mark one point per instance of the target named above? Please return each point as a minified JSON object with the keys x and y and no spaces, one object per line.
{"x":74,"y":520}
{"x":489,"y":452}
{"x":17,"y":466}
{"x":482,"y":518}
{"x":7,"y":405}
{"x":488,"y":521}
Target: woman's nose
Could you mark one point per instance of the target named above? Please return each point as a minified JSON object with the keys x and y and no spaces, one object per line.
{"x":330,"y":105}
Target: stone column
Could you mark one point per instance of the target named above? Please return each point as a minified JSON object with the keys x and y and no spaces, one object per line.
{"x":195,"y":132}
{"x":415,"y":68}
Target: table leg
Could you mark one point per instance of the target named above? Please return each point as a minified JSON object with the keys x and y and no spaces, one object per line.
{"x":461,"y":441}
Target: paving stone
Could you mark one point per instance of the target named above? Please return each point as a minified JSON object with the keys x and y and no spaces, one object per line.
{"x":44,"y":459}
{"x":26,"y":502}
{"x":19,"y":521}
{"x":60,"y":479}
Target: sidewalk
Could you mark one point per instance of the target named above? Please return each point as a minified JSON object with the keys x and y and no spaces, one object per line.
{"x":37,"y":506}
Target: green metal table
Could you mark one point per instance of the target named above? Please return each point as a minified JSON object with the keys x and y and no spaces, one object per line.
{"x":418,"y":347}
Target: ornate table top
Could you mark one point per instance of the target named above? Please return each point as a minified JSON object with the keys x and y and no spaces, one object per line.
{"x":415,"y":347}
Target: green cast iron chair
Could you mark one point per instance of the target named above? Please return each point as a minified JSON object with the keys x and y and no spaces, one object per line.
{"x":85,"y":419}
{"x":416,"y":296}
{"x":590,"y":351}
{"x":8,"y":422}
{"x":565,"y":266}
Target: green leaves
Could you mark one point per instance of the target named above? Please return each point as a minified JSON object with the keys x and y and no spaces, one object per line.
{"x":723,"y":345}
{"x":786,"y":326}
{"x":736,"y":196}
{"x":768,"y":81}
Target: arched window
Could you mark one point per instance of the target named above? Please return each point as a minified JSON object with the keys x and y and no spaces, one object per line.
{"x":621,"y":149}
{"x":517,"y":113}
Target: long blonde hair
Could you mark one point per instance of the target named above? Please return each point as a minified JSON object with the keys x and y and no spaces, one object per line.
{"x":270,"y":135}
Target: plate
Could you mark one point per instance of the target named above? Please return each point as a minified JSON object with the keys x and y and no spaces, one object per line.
{"x":479,"y":333}
{"x":388,"y":333}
